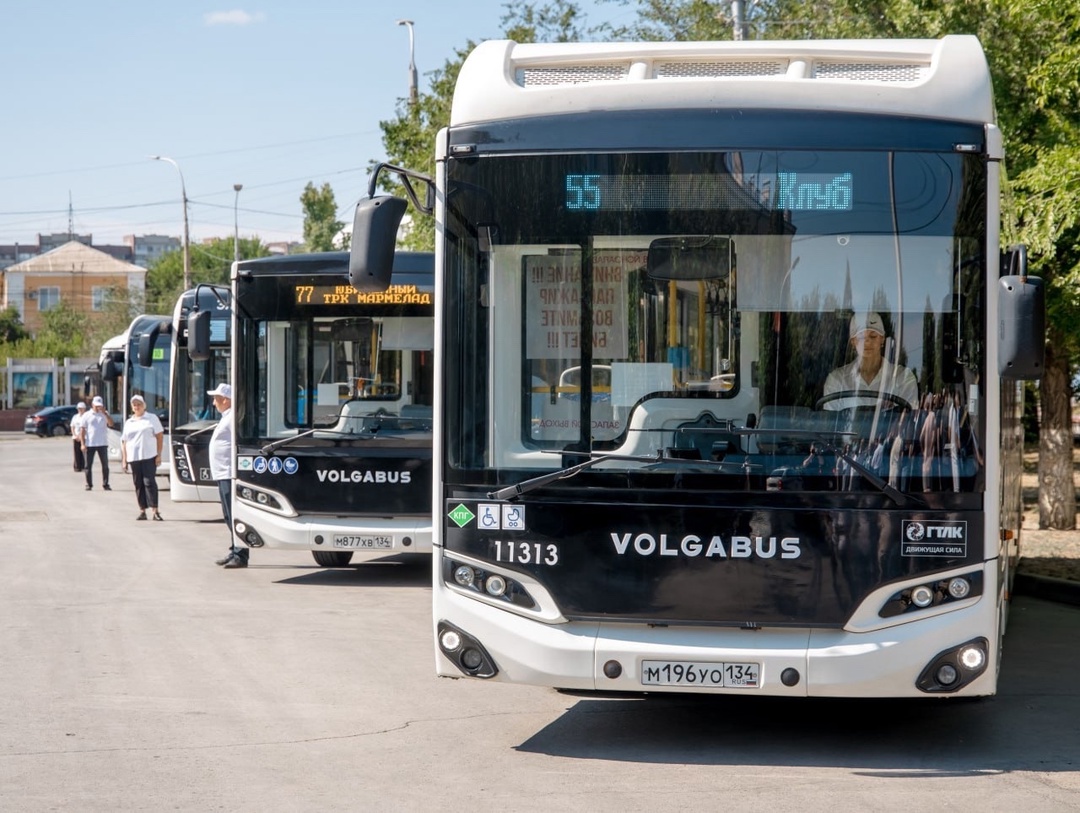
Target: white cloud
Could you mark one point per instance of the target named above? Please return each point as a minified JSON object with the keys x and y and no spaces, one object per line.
{"x":234,"y":17}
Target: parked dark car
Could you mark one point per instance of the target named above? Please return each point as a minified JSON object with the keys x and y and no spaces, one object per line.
{"x":55,"y":421}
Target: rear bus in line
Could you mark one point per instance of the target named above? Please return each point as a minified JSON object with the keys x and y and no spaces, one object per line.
{"x":136,"y":362}
{"x":193,"y":416}
{"x":652,"y":260}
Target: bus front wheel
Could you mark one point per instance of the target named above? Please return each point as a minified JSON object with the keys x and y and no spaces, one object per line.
{"x":332,"y":558}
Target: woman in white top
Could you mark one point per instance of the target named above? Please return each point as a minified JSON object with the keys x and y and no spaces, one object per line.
{"x":140,"y":448}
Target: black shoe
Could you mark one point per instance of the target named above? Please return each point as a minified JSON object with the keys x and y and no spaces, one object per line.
{"x":142,"y":515}
{"x":236,"y":561}
{"x":225,"y":559}
{"x":106,"y":487}
{"x":89,"y":488}
{"x":158,"y":517}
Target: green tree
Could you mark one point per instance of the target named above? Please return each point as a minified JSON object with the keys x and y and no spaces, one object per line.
{"x":64,"y":331}
{"x":11,"y":325}
{"x":409,"y":139}
{"x":211,"y":261}
{"x":121,"y":305}
{"x":321,"y":226}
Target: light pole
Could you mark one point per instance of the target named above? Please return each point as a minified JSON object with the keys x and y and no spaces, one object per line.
{"x":413,"y":94}
{"x":187,"y":238}
{"x":236,"y":222}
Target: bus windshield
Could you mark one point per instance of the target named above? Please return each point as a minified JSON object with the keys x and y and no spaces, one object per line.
{"x":753,"y":320}
{"x":324,"y":370}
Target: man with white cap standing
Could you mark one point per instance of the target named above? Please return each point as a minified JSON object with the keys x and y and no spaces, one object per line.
{"x":870,"y":378}
{"x":76,"y":435}
{"x":221,"y":469}
{"x":95,"y":440}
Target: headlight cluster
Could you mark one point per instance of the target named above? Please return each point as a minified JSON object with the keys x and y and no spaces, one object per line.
{"x":933,"y":594}
{"x":494,"y":585}
{"x":180,"y":459}
{"x":248,"y":535}
{"x":466,"y":653}
{"x":954,"y":668}
{"x":259,"y":497}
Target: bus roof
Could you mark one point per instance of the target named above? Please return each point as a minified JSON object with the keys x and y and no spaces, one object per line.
{"x":945,"y":78}
{"x":406,"y":263}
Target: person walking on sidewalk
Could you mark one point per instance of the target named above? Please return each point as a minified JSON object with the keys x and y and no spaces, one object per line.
{"x":76,"y":435}
{"x":95,"y":441}
{"x":140,"y":449}
{"x":221,"y":469}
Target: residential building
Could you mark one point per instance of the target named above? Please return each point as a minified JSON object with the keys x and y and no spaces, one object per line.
{"x":76,"y":273}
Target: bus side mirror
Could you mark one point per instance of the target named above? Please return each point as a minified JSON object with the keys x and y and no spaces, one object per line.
{"x":110,"y":370}
{"x":1021,"y":319}
{"x":374,"y":238}
{"x":148,"y":340}
{"x":198,"y":335}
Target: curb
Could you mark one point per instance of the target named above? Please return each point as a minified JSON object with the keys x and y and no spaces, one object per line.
{"x":1049,"y":588}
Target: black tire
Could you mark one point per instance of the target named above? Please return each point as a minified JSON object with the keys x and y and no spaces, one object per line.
{"x":332,"y":558}
{"x":59,"y":430}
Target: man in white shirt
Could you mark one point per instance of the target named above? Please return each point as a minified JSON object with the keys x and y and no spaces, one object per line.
{"x":870,"y":378}
{"x":76,"y":435}
{"x":221,"y":469}
{"x":95,"y":440}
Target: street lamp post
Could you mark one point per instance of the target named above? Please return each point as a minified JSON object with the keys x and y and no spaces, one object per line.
{"x":236,"y":222}
{"x":187,"y":238}
{"x":413,"y":93}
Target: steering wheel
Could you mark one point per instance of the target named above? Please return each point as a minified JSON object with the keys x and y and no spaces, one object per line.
{"x":888,"y":400}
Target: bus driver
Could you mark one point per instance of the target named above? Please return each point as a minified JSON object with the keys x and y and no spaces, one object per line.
{"x":870,"y":372}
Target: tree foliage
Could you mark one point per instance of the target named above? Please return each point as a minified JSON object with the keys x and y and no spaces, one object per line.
{"x":321,"y":225}
{"x":211,"y":262}
{"x":409,"y":139}
{"x":11,"y":326}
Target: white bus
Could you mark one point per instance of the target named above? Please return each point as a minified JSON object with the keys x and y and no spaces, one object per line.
{"x":332,"y":397}
{"x":125,"y":368}
{"x":650,"y":258}
{"x":192,"y":415}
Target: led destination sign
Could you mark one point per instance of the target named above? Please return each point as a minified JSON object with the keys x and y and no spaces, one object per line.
{"x":788,"y":191}
{"x":347,"y":295}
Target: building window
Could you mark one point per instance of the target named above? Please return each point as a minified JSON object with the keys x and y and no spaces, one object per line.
{"x":48,"y":298}
{"x":99,"y":297}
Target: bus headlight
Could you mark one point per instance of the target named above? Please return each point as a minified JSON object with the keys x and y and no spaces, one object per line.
{"x":495,"y":585}
{"x":465,"y":652}
{"x":922,"y":596}
{"x":972,"y":657}
{"x":959,"y":588}
{"x":492,"y":585}
{"x":954,"y":668}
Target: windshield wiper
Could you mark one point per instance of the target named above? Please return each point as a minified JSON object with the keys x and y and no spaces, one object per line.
{"x":277,"y":444}
{"x":525,"y":486}
{"x":895,"y":494}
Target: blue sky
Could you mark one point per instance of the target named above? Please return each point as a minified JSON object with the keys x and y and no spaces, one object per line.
{"x":270,"y":95}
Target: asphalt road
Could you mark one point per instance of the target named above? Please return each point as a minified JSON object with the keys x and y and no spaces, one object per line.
{"x":136,"y":675}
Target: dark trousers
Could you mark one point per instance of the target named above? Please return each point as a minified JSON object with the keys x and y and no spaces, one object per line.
{"x":224,"y":488}
{"x":80,"y":460}
{"x":143,"y":474}
{"x":103,"y":453}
